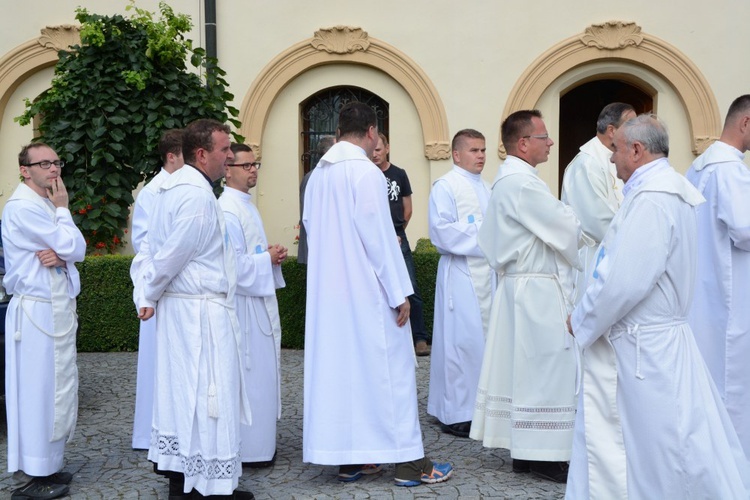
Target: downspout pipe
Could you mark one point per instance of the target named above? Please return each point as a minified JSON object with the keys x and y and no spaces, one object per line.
{"x":209,"y":7}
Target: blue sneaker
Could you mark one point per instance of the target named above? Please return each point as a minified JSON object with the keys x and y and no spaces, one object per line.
{"x":363,"y":470}
{"x":440,"y":472}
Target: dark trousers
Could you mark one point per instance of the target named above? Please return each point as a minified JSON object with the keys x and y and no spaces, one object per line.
{"x":418,"y":331}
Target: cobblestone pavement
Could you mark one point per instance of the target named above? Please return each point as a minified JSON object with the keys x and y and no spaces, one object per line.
{"x":105,"y":466}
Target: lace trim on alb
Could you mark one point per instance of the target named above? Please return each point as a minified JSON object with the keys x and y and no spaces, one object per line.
{"x":195,"y":465}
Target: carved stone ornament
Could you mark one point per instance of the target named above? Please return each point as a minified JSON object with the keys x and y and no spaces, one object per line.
{"x":702,"y":144}
{"x":612,"y":35}
{"x":341,"y":40}
{"x":437,"y":150}
{"x":60,"y":37}
{"x":256,"y":150}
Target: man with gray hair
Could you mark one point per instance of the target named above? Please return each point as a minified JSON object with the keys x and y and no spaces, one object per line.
{"x":591,"y":187}
{"x":720,"y":316}
{"x":650,"y":424}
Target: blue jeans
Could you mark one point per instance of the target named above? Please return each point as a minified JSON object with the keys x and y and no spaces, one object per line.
{"x":416,"y":316}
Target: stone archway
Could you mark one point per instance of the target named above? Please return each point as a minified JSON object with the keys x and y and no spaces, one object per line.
{"x":624,"y":41}
{"x":346,"y":44}
{"x":33,"y":56}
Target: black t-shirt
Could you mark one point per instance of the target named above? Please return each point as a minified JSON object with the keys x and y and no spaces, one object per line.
{"x":398,"y":187}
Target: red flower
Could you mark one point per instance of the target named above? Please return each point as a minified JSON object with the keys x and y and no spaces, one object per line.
{"x":100,"y":245}
{"x":89,"y":207}
{"x":82,"y":211}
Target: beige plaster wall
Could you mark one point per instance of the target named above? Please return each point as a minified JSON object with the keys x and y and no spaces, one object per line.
{"x":474,"y":52}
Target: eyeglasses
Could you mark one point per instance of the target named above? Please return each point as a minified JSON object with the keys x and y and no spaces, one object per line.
{"x":543,"y":137}
{"x":245,"y":166}
{"x":46,"y":164}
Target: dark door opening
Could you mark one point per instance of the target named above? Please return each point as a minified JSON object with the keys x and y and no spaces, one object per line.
{"x":580,"y":107}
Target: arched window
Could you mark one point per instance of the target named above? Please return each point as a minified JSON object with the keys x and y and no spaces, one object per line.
{"x":320,"y":116}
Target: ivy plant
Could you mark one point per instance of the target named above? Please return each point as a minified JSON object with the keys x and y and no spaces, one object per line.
{"x":111,"y":98}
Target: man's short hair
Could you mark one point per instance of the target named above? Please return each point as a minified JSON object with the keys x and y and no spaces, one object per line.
{"x":236,"y":147}
{"x":170,"y":142}
{"x":24,"y":158}
{"x":517,"y":125}
{"x":199,"y":135}
{"x":356,"y":118}
{"x":383,"y":138}
{"x":325,"y":143}
{"x":650,"y":131}
{"x":612,"y":114}
{"x":467,"y":133}
{"x":740,"y":106}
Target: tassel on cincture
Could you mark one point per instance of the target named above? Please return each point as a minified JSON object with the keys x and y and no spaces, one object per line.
{"x":213,"y":406}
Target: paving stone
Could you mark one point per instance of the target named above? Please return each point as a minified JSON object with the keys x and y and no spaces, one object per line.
{"x":105,"y":466}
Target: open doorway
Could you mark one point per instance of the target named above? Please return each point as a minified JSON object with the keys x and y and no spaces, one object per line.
{"x":580,"y":107}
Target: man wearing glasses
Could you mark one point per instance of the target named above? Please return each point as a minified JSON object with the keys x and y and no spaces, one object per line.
{"x":258,"y":277}
{"x":42,"y":245}
{"x":527,"y":387}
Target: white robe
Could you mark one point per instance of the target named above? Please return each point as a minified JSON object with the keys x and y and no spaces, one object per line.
{"x":526,"y":395}
{"x":187,"y":265}
{"x":144,"y":385}
{"x":591,"y":187}
{"x":461,"y":318}
{"x":651,"y":423}
{"x":720,"y":316}
{"x":41,"y":384}
{"x":360,"y":379}
{"x":260,"y":323}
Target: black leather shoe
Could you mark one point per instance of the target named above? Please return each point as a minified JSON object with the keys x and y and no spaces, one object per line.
{"x":460,"y":429}
{"x":521,"y":465}
{"x":40,"y":488}
{"x":552,"y":471}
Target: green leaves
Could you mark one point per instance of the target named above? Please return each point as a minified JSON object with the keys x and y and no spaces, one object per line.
{"x":110,"y":101}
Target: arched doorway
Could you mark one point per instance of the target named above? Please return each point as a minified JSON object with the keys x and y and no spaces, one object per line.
{"x":580,"y":107}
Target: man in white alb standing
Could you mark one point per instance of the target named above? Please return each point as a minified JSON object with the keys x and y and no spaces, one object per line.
{"x":360,"y":378}
{"x":591,"y":187}
{"x":42,"y":245}
{"x":650,"y":423}
{"x":527,"y":388}
{"x":463,"y":291}
{"x":258,"y":277}
{"x":170,"y":151}
{"x":187,"y":271}
{"x":720,"y":316}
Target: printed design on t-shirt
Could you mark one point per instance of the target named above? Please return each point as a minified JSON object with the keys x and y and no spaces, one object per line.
{"x":393,"y":190}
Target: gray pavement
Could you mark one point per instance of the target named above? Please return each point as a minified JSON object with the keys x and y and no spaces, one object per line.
{"x":105,"y":466}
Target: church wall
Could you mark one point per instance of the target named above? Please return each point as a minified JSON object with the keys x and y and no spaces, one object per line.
{"x":473,"y":52}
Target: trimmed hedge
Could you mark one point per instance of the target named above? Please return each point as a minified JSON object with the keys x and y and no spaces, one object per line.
{"x":107,"y":319}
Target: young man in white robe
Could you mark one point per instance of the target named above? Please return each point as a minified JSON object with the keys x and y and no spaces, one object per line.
{"x":360,"y":381}
{"x":591,"y":187}
{"x":463,"y":290}
{"x":527,"y":387}
{"x":187,"y":266}
{"x":42,"y":245}
{"x":650,"y":422}
{"x":258,"y":277}
{"x":720,"y":316}
{"x":170,"y":150}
